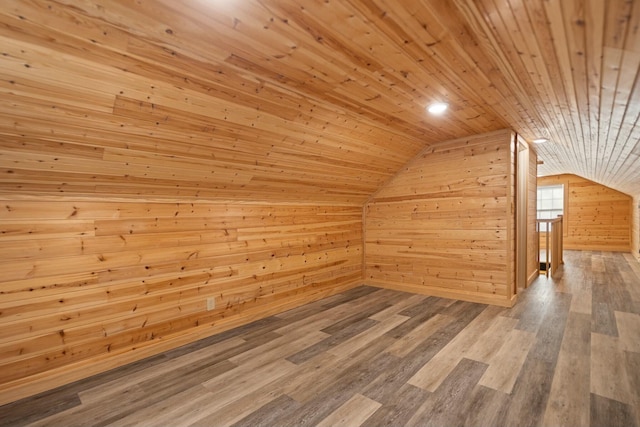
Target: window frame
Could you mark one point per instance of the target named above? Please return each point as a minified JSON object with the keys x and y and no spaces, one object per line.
{"x":554,"y":209}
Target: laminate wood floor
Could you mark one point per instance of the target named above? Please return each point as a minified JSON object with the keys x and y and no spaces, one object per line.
{"x":568,"y":354}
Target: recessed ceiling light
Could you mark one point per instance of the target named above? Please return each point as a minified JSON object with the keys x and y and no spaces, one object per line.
{"x":437,"y":107}
{"x":540,"y":140}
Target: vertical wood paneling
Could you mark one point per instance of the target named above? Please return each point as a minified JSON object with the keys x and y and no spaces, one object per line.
{"x":532,"y":236}
{"x":635,"y":227}
{"x":87,"y":285}
{"x":512,"y":181}
{"x":445,"y":224}
{"x":596,"y":217}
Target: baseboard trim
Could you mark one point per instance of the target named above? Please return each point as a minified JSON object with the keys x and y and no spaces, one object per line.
{"x":499,"y":300}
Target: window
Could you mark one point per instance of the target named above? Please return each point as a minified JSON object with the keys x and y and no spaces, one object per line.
{"x":550,"y":203}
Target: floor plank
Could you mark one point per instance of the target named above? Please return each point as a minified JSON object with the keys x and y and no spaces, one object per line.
{"x":506,"y":364}
{"x":611,"y":413}
{"x":267,"y":415}
{"x":398,"y":407}
{"x":437,"y":369}
{"x":607,"y":363}
{"x":448,"y":405}
{"x":353,"y":413}
{"x":628,"y":330}
{"x":567,"y":354}
{"x":569,"y":396}
{"x":492,"y":339}
{"x":411,"y":340}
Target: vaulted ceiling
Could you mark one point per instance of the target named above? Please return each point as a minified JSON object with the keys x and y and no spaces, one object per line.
{"x":315,"y":101}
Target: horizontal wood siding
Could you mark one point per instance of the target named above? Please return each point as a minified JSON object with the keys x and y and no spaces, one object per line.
{"x":596,"y":217}
{"x":305,"y":100}
{"x":166,"y":101}
{"x":444,"y":224}
{"x":88,"y":285}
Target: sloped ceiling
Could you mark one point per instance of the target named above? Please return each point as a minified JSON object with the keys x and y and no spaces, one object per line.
{"x":301,"y":100}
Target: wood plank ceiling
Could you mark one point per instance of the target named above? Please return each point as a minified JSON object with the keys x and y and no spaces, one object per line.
{"x":316,"y":101}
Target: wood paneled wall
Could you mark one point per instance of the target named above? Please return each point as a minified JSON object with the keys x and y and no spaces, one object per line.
{"x":330,"y":94}
{"x":533,"y":242}
{"x":596,"y":217}
{"x":89,"y":285}
{"x":635,"y":227}
{"x":175,"y":101}
{"x":444,"y":225}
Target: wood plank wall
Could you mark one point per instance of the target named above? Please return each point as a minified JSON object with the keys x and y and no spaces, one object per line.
{"x":444,"y":225}
{"x":147,"y":100}
{"x":533,"y":242}
{"x":89,"y":285}
{"x":635,"y":227}
{"x":596,"y":217}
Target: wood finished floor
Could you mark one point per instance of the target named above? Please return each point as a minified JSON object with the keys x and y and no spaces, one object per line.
{"x":568,"y":354}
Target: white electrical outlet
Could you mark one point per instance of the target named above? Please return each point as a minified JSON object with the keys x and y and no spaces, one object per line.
{"x":211,"y":303}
